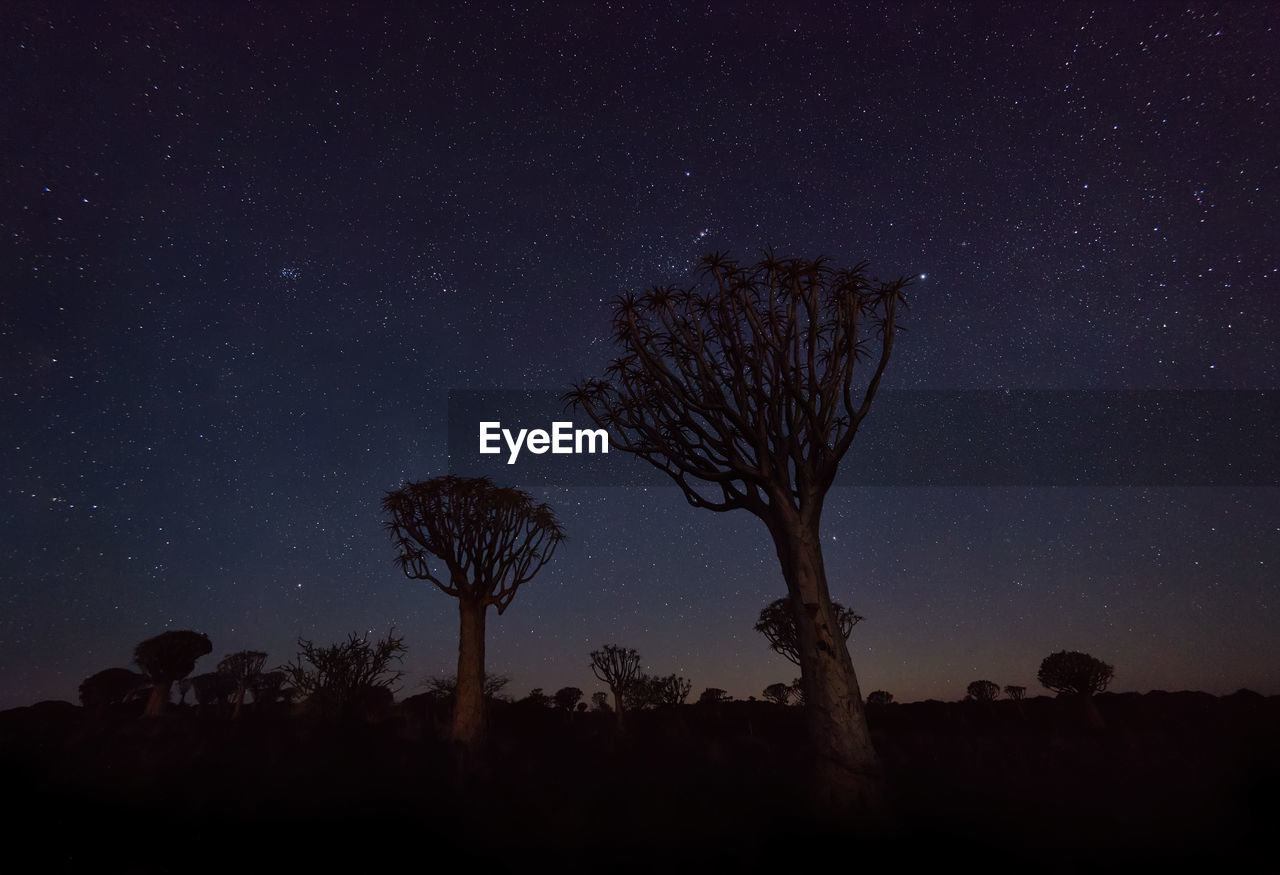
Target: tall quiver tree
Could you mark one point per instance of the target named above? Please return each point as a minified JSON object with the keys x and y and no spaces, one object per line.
{"x":244,"y":668}
{"x":742,"y":389}
{"x":168,"y":657}
{"x":478,"y":543}
{"x":619,"y":667}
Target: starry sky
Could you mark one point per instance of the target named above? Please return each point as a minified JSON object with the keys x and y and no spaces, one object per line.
{"x":248,"y":249}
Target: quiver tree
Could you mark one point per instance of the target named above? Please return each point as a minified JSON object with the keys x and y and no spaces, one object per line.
{"x":647,"y":691}
{"x":111,"y":686}
{"x":879,"y":698}
{"x":267,"y":688}
{"x":670,"y":690}
{"x":777,"y":623}
{"x":446,"y":688}
{"x":1069,"y":672}
{"x":243,"y":668}
{"x":213,"y":688}
{"x":478,"y":543}
{"x":349,"y":678}
{"x":1015,"y":692}
{"x":982,"y":691}
{"x":779,"y":694}
{"x":1076,"y":677}
{"x":168,"y":657}
{"x":713,"y":696}
{"x":619,"y":667}
{"x":567,"y":698}
{"x":746,"y":390}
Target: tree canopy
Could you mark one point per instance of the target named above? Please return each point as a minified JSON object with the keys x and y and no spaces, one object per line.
{"x":472,"y":539}
{"x":746,"y":382}
{"x":1074,"y":673}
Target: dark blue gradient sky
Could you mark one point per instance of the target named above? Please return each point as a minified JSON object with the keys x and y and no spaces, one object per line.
{"x":247,"y":249}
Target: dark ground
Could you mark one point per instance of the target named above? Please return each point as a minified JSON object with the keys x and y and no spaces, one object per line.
{"x":1173,"y":782}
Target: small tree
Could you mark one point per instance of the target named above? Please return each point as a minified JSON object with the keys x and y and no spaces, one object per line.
{"x":212,"y":688}
{"x":243,"y":668}
{"x":777,"y":623}
{"x":779,"y":694}
{"x":600,"y":701}
{"x":111,"y":686}
{"x":619,"y":667}
{"x":1014,"y":692}
{"x":339,"y":679}
{"x":671,"y":690}
{"x":651,"y":692}
{"x":168,"y":657}
{"x":267,"y":688}
{"x":640,"y":693}
{"x":536,"y":699}
{"x":1073,"y":673}
{"x":713,"y":696}
{"x":879,"y":698}
{"x":488,"y":541}
{"x":447,"y":687}
{"x":982,"y":691}
{"x":567,"y":698}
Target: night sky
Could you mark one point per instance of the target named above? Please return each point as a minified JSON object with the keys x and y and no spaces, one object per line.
{"x":247,"y":250}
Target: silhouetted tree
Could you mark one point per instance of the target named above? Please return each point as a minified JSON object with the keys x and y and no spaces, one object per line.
{"x":166,"y":658}
{"x":713,"y":696}
{"x":600,"y":701}
{"x":797,"y":690}
{"x":447,"y":687}
{"x":212,"y":688}
{"x":619,"y":667}
{"x":671,"y":690}
{"x":1015,"y":693}
{"x":567,"y":698}
{"x":879,"y":698}
{"x":536,"y":699}
{"x":640,"y":693}
{"x":242,"y":667}
{"x":982,"y":691}
{"x":647,"y":691}
{"x":743,"y":392}
{"x":267,"y":687}
{"x":489,"y":540}
{"x":338,"y":680}
{"x":779,"y":694}
{"x":111,"y":686}
{"x":1072,"y":672}
{"x":777,"y":623}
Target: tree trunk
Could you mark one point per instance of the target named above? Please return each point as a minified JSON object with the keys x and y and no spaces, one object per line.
{"x":847,"y":770}
{"x":468,"y":698}
{"x":235,"y":714}
{"x":158,"y":699}
{"x":617,"y":703}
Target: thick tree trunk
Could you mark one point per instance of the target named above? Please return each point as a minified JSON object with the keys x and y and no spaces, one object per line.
{"x":617,"y":703}
{"x":468,"y":705}
{"x":847,"y":770}
{"x":158,"y":699}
